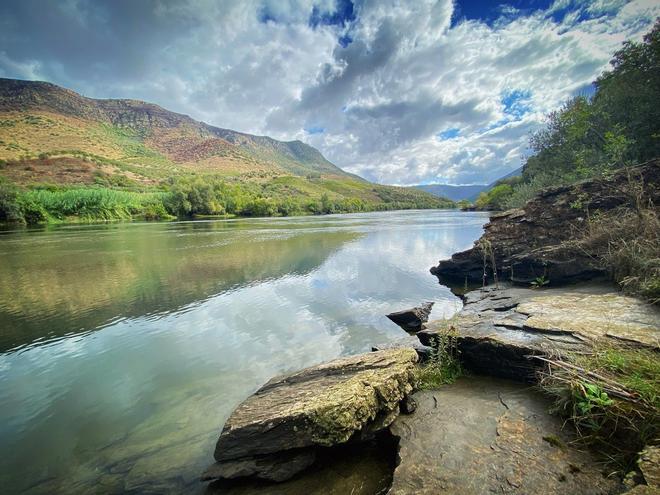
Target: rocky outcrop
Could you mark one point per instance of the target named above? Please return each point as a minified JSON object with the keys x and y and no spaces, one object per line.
{"x":499,"y":330}
{"x":538,"y":239}
{"x":484,"y":435}
{"x":412,"y":320}
{"x":277,"y":431}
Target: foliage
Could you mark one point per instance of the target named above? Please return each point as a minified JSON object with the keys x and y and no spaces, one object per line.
{"x":589,"y":137}
{"x":539,"y":282}
{"x":611,"y":395}
{"x":84,"y":204}
{"x":626,"y":241}
{"x":495,"y":198}
{"x":10,"y":209}
{"x":443,"y":365}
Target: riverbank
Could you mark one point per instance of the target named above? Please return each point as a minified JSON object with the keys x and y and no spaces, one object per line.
{"x":139,"y":339}
{"x":54,"y":205}
{"x":560,"y":413}
{"x":572,"y":342}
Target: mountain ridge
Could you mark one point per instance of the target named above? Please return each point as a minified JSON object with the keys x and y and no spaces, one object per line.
{"x":153,"y":122}
{"x":468,"y":192}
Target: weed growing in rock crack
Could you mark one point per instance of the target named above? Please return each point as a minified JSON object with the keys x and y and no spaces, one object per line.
{"x":443,"y":366}
{"x":612,"y":397}
{"x":539,"y":282}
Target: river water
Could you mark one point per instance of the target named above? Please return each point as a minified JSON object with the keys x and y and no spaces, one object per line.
{"x":124,"y":347}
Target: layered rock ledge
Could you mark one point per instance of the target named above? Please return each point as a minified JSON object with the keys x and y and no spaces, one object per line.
{"x":277,"y":432}
{"x":538,"y":239}
{"x":498,"y":330}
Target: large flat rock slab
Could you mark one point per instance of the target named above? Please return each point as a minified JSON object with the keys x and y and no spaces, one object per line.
{"x":483,"y":435}
{"x":594,"y":316}
{"x":273,"y":433}
{"x":499,"y":329}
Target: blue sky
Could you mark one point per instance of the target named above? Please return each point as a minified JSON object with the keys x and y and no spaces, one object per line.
{"x":400,"y":92}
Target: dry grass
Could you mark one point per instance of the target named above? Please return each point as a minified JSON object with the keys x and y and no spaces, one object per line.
{"x":626,"y":241}
{"x":611,"y":395}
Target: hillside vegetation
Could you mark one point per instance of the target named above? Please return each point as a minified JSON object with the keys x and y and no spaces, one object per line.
{"x":618,"y":126}
{"x":591,"y":138}
{"x":64,"y":157}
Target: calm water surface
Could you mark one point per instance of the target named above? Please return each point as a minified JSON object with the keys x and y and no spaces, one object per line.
{"x":124,"y":348}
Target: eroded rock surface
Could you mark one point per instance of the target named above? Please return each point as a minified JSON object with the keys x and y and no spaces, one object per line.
{"x":412,"y":320}
{"x":321,"y":406}
{"x":355,"y":469}
{"x":498,"y":330}
{"x":484,"y":435}
{"x":535,"y":240}
{"x":649,"y":465}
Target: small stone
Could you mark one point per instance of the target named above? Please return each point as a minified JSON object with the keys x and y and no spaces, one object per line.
{"x":412,"y":320}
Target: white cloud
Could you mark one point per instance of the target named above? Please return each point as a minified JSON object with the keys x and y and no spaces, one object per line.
{"x":381,"y":100}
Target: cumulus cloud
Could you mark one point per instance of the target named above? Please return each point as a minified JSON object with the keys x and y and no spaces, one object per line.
{"x":398,"y":92}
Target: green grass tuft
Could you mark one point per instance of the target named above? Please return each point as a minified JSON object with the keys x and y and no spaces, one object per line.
{"x":444,"y":366}
{"x":612,"y":397}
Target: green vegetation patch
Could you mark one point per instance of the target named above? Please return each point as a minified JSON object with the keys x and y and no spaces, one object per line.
{"x":443,"y":366}
{"x":94,"y":204}
{"x":611,"y":395}
{"x":590,"y":137}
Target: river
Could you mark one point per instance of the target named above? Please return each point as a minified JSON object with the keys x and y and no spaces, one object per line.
{"x":124,"y":347}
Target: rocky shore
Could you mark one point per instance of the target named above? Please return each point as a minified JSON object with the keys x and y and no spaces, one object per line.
{"x":539,"y":240}
{"x":491,"y":431}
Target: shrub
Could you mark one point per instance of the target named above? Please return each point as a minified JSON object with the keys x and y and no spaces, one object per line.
{"x":10,"y":209}
{"x":495,"y":198}
{"x":626,"y":241}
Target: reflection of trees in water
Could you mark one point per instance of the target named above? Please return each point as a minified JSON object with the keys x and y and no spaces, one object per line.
{"x":77,"y":286}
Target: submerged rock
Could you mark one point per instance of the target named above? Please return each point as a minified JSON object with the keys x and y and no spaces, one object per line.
{"x":274,"y":433}
{"x":536,"y":240}
{"x":498,"y":330}
{"x":412,"y":320}
{"x":483,"y":435}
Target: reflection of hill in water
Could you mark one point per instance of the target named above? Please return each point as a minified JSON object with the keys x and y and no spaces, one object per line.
{"x":74,"y":283}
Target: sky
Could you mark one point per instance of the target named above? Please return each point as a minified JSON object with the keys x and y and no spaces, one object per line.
{"x":399,"y":92}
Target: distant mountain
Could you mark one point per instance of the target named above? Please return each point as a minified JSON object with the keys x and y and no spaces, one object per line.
{"x":469,"y":192}
{"x":455,"y":193}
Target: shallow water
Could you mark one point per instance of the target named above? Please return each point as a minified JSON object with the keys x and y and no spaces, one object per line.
{"x":124,"y":347}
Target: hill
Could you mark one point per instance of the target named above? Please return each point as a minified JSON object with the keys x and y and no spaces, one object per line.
{"x":55,"y":139}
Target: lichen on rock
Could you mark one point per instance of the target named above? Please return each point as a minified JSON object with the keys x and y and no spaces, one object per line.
{"x":320,"y":406}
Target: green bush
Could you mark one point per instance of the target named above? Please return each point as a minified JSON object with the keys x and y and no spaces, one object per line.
{"x":495,"y":198}
{"x":443,"y":366}
{"x":617,"y":127}
{"x":10,"y":209}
